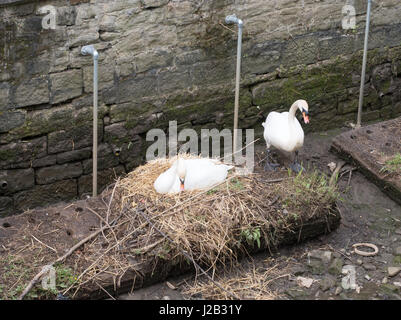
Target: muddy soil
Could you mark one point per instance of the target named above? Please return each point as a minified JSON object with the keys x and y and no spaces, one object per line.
{"x":368,"y":215}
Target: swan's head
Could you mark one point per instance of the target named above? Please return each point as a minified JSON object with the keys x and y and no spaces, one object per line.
{"x":303,"y":107}
{"x":181,"y":172}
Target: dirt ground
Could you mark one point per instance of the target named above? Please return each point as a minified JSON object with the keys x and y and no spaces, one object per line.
{"x":368,"y":215}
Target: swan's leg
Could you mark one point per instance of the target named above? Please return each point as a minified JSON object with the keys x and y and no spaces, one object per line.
{"x":270,"y":166}
{"x":295,"y":166}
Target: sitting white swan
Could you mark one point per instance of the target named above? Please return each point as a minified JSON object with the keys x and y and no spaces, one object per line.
{"x":283,"y":131}
{"x":191,"y":174}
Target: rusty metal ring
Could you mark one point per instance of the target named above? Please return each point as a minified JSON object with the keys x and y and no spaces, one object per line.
{"x":364,"y":253}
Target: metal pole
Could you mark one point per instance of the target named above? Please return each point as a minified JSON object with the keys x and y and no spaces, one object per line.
{"x":95,"y":102}
{"x":365,"y":53}
{"x":237,"y":81}
{"x":92,"y":51}
{"x":234,"y":19}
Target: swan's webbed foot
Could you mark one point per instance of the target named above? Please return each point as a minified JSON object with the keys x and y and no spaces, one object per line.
{"x":296,"y":167}
{"x":270,"y":166}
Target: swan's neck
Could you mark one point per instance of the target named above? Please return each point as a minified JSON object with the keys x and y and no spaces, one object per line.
{"x":291,"y":115}
{"x":181,"y":169}
{"x":293,"y":110}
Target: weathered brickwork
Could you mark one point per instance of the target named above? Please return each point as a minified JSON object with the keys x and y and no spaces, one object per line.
{"x":164,"y":60}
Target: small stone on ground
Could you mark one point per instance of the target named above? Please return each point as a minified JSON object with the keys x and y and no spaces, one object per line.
{"x":393,"y":271}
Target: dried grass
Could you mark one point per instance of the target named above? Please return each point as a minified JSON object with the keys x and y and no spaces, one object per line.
{"x":250,"y":283}
{"x":212,"y":228}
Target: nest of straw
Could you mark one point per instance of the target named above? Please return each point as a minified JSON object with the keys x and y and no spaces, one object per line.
{"x":211,"y":227}
{"x":208,"y":224}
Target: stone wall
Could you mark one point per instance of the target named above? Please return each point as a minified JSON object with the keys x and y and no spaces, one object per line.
{"x":164,"y":60}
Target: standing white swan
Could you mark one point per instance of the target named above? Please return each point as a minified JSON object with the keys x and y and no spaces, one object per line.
{"x":283,"y":131}
{"x":191,"y":174}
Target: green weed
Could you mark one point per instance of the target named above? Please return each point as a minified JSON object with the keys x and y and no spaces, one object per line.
{"x":251,"y":236}
{"x":393,"y":165}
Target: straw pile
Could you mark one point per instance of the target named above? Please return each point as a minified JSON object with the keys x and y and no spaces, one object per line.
{"x":211,"y":227}
{"x":209,"y":224}
{"x":250,"y":283}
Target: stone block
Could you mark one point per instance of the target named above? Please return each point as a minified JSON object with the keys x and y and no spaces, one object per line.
{"x":39,"y":122}
{"x":177,"y":80}
{"x":116,"y":133}
{"x":74,"y":155}
{"x":12,"y":181}
{"x":32,"y":92}
{"x":51,"y":174}
{"x":136,"y":88}
{"x":107,"y":23}
{"x":213,"y":72}
{"x":347,"y":106}
{"x":132,"y":112}
{"x":11,"y":119}
{"x":153,"y":59}
{"x":82,"y":35}
{"x":22,"y":151}
{"x":44,"y":162}
{"x":269,"y":93}
{"x":73,"y":138}
{"x":42,"y":195}
{"x":65,"y":85}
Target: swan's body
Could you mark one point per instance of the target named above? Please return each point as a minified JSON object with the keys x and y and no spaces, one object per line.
{"x":198,"y":174}
{"x":283,"y":131}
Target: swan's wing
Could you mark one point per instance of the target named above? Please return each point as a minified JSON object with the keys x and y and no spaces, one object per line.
{"x":205,"y":176}
{"x":276,"y":129}
{"x":165,"y":181}
{"x":270,"y":118}
{"x":200,"y":163}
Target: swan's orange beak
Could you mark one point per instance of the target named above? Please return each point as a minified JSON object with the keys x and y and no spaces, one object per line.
{"x":182,"y":184}
{"x":306,"y":117}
